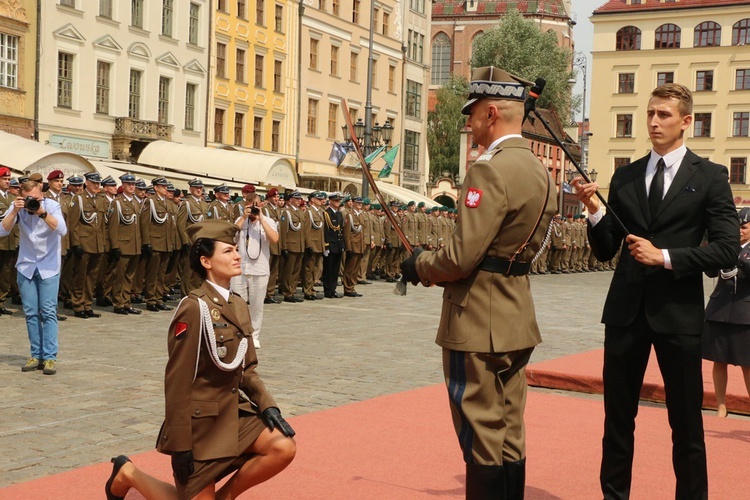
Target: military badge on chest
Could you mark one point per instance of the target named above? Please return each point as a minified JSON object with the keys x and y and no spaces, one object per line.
{"x":473,"y":197}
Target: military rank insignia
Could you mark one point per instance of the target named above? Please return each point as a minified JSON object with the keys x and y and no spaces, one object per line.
{"x":473,"y":197}
{"x":179,"y":329}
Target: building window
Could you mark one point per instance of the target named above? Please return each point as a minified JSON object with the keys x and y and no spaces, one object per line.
{"x":278,"y":18}
{"x":336,"y":6}
{"x":737,"y":169}
{"x":411,"y":150}
{"x":102,"y":86}
{"x":353,"y":69}
{"x":621,"y":162}
{"x":257,"y":131}
{"x":741,"y":32}
{"x":667,"y":37}
{"x":333,"y":114}
{"x":68,"y":3}
{"x":626,"y":84}
{"x":413,"y":99}
{"x":441,"y":59}
{"x":704,"y":80}
{"x":391,"y":78}
{"x":167,"y":10}
{"x":624,"y":125}
{"x":312,"y":117}
{"x":664,"y":77}
{"x":64,"y":80}
{"x":417,"y":5}
{"x":628,"y":38}
{"x":742,"y":79}
{"x":221,"y":5}
{"x":105,"y":8}
{"x":355,"y":11}
{"x":740,"y":124}
{"x":259,"y":62}
{"x":702,"y":125}
{"x":194,"y":23}
{"x":219,"y":125}
{"x":386,"y":21}
{"x":707,"y":34}
{"x":241,"y":9}
{"x":191,"y":90}
{"x":415,"y":46}
{"x":334,"y":60}
{"x":163,"y":116}
{"x":374,"y":76}
{"x":275,"y":135}
{"x":313,"y":53}
{"x":239,"y":120}
{"x":136,"y":13}
{"x":8,"y":61}
{"x":134,"y":94}
{"x":322,"y":5}
{"x":221,"y":60}
{"x":260,"y":15}
{"x":240,"y":66}
{"x":277,"y":76}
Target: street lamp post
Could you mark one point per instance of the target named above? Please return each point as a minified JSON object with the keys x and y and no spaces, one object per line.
{"x":579,"y":61}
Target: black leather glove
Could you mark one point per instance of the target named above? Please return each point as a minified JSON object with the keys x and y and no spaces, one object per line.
{"x":184,"y":249}
{"x":77,"y":251}
{"x":389,"y":246}
{"x":285,"y":253}
{"x":409,"y":268}
{"x":273,"y":419}
{"x":182,"y":465}
{"x":308,"y":252}
{"x":114,"y":255}
{"x":146,"y":250}
{"x":743,"y":264}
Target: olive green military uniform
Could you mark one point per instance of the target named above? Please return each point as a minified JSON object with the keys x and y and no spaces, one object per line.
{"x":86,"y":227}
{"x":156,"y":231}
{"x":272,"y":213}
{"x":125,"y":235}
{"x":354,"y":245}
{"x":291,"y":227}
{"x":8,"y":249}
{"x":392,"y":249}
{"x":192,"y":210}
{"x":314,"y":247}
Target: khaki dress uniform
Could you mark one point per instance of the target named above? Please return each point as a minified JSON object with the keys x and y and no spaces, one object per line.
{"x":366,"y":218}
{"x":314,"y":247}
{"x":156,"y":230}
{"x":421,"y":229}
{"x":433,"y":235}
{"x":378,"y":239}
{"x":291,"y":226}
{"x":557,"y":242}
{"x":392,"y":249}
{"x":86,"y":227}
{"x":410,"y":228}
{"x":272,"y":213}
{"x":219,"y":210}
{"x":570,"y":239}
{"x":213,"y":412}
{"x":107,"y":266}
{"x":140,"y":270}
{"x":355,"y":246}
{"x":64,"y":201}
{"x":125,"y":235}
{"x":488,"y":327}
{"x":8,"y":249}
{"x":191,"y":211}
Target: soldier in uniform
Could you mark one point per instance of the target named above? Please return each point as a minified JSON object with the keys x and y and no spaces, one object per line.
{"x":314,"y":243}
{"x":75,"y":187}
{"x":140,"y":270}
{"x":221,"y":207}
{"x":271,"y":211}
{"x":193,"y":209}
{"x":107,"y":266}
{"x":9,"y":243}
{"x":334,"y":246}
{"x":421,"y":217}
{"x":55,"y":181}
{"x":87,"y":214}
{"x":488,"y":327}
{"x":392,"y":245}
{"x":354,"y":245}
{"x":367,"y":238}
{"x":410,"y":224}
{"x":293,"y":246}
{"x":125,"y":245}
{"x":156,"y":229}
{"x":378,"y":240}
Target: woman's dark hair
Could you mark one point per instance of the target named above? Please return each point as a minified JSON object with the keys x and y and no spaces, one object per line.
{"x":202,"y":247}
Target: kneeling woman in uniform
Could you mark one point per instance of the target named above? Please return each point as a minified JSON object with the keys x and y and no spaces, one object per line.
{"x":219,"y":416}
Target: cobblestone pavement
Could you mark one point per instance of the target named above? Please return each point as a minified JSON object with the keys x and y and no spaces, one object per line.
{"x":107,"y":397}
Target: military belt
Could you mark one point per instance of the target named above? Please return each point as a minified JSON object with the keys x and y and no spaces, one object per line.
{"x":503,"y":266}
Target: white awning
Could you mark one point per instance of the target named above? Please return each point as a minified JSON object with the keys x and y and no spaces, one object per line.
{"x":24,"y":155}
{"x":147,"y":173}
{"x":238,"y":166}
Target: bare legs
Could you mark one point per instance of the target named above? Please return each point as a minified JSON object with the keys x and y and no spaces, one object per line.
{"x":720,"y":385}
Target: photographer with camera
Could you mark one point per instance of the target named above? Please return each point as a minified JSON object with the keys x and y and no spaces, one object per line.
{"x":42,"y":227}
{"x":256,"y":232}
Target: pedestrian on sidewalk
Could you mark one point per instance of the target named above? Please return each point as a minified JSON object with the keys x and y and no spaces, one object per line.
{"x":42,"y":227}
{"x":220,"y":419}
{"x":669,"y":201}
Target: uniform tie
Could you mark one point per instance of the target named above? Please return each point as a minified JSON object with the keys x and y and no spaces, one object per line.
{"x":656,"y":192}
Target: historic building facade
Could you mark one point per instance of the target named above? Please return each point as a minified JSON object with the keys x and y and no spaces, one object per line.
{"x":699,"y":43}
{"x":18,"y":30}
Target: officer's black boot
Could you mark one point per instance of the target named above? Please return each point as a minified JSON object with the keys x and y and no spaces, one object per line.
{"x":515,"y":479}
{"x":485,"y":482}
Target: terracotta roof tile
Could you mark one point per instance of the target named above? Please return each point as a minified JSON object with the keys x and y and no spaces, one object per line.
{"x":498,"y":7}
{"x":620,"y":6}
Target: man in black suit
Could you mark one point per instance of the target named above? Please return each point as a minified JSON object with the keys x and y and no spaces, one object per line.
{"x":668,"y":200}
{"x":334,"y":246}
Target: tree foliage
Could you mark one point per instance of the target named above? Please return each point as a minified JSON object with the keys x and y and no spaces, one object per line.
{"x":518,"y":46}
{"x":444,"y":126}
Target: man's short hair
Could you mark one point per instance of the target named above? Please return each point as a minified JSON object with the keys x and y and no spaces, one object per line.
{"x":679,"y":92}
{"x":29,"y":185}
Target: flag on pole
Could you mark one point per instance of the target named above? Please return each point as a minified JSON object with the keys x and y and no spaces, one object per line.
{"x":372,"y":156}
{"x":338,"y":153}
{"x":389,"y":158}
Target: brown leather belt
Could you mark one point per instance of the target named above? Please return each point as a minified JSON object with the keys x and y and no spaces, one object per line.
{"x":503,"y":266}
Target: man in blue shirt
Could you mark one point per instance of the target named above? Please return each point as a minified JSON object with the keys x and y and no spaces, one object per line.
{"x":41,"y":228}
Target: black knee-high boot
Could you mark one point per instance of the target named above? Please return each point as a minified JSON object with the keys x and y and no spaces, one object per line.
{"x":515,"y":479}
{"x":485,"y":482}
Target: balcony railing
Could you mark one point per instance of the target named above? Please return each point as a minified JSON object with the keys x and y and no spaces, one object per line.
{"x":142,"y":129}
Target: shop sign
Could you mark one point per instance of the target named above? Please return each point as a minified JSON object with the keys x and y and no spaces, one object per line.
{"x":82,"y":147}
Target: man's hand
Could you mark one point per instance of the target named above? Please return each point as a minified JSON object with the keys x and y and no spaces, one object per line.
{"x":146,"y":250}
{"x":644,"y":252}
{"x":285,"y":253}
{"x":409,"y":267}
{"x":586,"y":194}
{"x":114,"y":255}
{"x":182,"y":465}
{"x":308,"y":252}
{"x":77,"y":250}
{"x":185,"y":249}
{"x":273,"y":419}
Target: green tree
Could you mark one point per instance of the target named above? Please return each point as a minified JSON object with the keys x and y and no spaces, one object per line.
{"x":444,"y":126}
{"x":518,"y":45}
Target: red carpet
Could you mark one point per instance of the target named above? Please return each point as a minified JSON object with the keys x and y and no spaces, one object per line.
{"x":583,"y":373}
{"x":402,"y":446}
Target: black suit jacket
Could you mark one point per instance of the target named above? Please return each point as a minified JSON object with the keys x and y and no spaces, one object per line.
{"x":698,"y":204}
{"x":334,"y":230}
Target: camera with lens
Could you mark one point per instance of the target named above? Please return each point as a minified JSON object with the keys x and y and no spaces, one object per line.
{"x":255,"y":211}
{"x":31,"y":204}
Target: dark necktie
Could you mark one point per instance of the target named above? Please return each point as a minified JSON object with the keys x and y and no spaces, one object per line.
{"x":656,"y":192}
